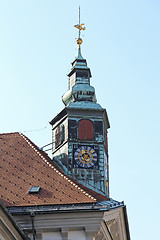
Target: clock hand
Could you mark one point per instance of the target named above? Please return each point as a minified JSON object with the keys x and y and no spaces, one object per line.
{"x":83,"y":151}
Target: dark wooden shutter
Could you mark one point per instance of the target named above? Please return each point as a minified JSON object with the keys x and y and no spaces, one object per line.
{"x":59,"y":135}
{"x":72,"y":129}
{"x":85,"y":130}
{"x":98,"y":127}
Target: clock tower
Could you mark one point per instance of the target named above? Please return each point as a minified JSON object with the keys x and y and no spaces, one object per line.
{"x":79,"y":131}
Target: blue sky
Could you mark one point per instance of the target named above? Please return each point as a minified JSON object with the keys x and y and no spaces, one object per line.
{"x":122,"y":47}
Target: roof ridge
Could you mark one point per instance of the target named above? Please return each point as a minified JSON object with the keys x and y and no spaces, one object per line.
{"x":9,"y":133}
{"x":68,"y":179}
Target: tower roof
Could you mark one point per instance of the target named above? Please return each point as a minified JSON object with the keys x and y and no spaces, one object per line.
{"x":79,"y":64}
{"x":80,"y":90}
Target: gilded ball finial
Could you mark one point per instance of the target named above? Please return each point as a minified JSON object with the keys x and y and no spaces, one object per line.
{"x":79,"y":41}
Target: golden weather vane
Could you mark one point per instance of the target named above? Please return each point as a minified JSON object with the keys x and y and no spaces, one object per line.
{"x":81,"y":27}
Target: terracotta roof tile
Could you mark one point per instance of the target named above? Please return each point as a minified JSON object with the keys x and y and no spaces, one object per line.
{"x":23,"y":165}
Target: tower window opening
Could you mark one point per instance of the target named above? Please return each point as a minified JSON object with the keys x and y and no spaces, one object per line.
{"x":59,"y":135}
{"x":82,"y":74}
{"x":85,"y":130}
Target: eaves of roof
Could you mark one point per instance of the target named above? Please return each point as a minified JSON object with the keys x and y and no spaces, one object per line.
{"x":63,"y":208}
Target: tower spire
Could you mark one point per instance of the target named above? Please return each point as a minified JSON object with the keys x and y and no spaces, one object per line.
{"x":80,"y":27}
{"x":79,"y":20}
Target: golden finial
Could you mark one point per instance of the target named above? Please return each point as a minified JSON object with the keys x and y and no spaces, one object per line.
{"x":81,"y":27}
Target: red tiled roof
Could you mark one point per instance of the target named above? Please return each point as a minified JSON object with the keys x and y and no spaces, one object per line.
{"x":23,"y":165}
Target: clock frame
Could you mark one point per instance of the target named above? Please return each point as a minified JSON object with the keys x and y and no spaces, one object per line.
{"x":85,"y":156}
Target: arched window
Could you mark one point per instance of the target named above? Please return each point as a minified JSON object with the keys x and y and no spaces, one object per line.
{"x":85,"y":130}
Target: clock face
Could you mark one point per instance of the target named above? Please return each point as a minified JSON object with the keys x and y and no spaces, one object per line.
{"x":85,"y":156}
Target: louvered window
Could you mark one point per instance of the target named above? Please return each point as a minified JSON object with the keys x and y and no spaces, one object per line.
{"x":72,"y":129}
{"x":85,"y":130}
{"x":59,"y":135}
